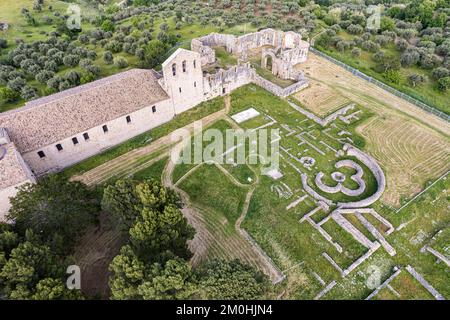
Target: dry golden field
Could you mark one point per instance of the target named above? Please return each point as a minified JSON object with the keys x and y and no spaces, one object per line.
{"x":321,"y":99}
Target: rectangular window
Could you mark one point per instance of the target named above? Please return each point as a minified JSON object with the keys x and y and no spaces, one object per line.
{"x":195,"y":84}
{"x":224,"y":90}
{"x":41,"y":154}
{"x":105,"y":128}
{"x":75,"y":141}
{"x":179,"y":89}
{"x":154,"y":109}
{"x":128,"y":119}
{"x":195,"y":64}
{"x":184,"y":66}
{"x":86,"y":136}
{"x":59,"y":147}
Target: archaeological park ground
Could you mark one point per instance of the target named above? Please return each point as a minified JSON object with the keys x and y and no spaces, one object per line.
{"x":358,"y":210}
{"x":358,"y":207}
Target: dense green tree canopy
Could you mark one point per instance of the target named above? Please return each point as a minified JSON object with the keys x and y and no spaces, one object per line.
{"x":231,"y":280}
{"x":57,"y":210}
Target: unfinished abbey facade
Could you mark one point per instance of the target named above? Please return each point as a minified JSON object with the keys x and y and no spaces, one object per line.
{"x":57,"y":131}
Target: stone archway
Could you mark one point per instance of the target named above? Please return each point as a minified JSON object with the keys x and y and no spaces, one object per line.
{"x":268,"y":60}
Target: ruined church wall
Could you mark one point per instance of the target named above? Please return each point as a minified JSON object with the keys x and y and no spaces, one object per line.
{"x":225,"y":81}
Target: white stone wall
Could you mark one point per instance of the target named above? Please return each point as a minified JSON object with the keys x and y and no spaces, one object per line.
{"x":185,"y":87}
{"x":118,"y":131}
{"x":225,"y":81}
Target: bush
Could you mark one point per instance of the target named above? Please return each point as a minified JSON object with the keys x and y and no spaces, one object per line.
{"x":356,"y":52}
{"x":122,"y":63}
{"x":3,"y":43}
{"x":392,"y":76}
{"x":355,"y":29}
{"x":440,"y":72}
{"x":402,"y":44}
{"x":44,"y":76}
{"x":28,"y":93}
{"x":71,"y":60}
{"x":17,"y":84}
{"x":416,"y":79}
{"x":8,"y":94}
{"x":108,"y":57}
{"x":444,"y":83}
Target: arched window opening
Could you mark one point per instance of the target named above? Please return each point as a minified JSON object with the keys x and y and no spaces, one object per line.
{"x":174,"y":69}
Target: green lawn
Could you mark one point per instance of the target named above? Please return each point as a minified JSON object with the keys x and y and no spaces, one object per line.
{"x":152,"y":172}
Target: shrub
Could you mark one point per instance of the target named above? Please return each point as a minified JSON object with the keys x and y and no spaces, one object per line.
{"x":122,"y":63}
{"x":108,"y":57}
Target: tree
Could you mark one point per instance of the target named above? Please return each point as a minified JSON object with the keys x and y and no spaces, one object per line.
{"x":444,"y":83}
{"x":8,"y":94}
{"x":56,"y":209}
{"x":54,"y":289}
{"x":154,"y":52}
{"x":128,"y":273}
{"x":73,"y":77}
{"x":8,"y":241}
{"x":356,"y":52}
{"x":71,"y":60}
{"x":392,"y":76}
{"x":409,"y":57}
{"x":161,"y":235}
{"x":17,"y":84}
{"x":108,"y":25}
{"x":27,"y":264}
{"x":231,"y":281}
{"x":440,"y":72}
{"x":114,"y":46}
{"x":355,"y":29}
{"x":171,"y":280}
{"x":122,"y":63}
{"x":388,"y":63}
{"x":132,"y":279}
{"x":122,"y":202}
{"x":108,"y":57}
{"x":28,"y":93}
{"x":387,"y":23}
{"x":3,"y":43}
{"x":44,"y":76}
{"x":416,"y":79}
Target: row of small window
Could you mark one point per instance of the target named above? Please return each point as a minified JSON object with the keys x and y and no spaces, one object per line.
{"x":86,"y":137}
{"x":183,"y":64}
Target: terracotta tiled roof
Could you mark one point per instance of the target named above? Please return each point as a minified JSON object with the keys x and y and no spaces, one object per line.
{"x":50,"y":119}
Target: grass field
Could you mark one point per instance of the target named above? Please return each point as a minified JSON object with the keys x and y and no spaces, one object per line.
{"x":219,"y":195}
